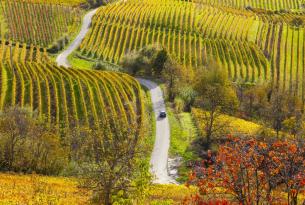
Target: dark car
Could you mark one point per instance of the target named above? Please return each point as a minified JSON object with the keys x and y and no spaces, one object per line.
{"x":162,"y":114}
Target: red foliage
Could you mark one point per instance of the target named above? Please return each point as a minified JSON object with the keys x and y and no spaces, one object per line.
{"x":250,"y":171}
{"x":197,"y":200}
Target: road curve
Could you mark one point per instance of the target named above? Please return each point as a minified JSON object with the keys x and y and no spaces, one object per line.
{"x":159,"y":157}
{"x":62,"y":59}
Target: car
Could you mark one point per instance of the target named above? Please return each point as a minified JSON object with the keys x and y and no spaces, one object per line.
{"x":162,"y":114}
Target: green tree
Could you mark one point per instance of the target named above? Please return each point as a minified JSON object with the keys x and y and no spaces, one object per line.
{"x":188,"y":94}
{"x":150,"y":60}
{"x":159,"y":61}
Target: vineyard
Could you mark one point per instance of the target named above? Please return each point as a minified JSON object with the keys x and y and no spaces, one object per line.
{"x":50,"y":22}
{"x":18,"y":52}
{"x":262,"y":4}
{"x":68,"y":95}
{"x":255,"y":46}
{"x":192,"y":36}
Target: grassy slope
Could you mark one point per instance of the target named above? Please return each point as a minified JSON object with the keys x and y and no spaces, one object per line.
{"x":78,"y":61}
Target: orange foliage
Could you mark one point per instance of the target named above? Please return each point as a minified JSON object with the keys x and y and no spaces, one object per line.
{"x":249,"y":171}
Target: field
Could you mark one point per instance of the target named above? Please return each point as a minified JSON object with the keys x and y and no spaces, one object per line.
{"x":181,"y":31}
{"x":50,"y":23}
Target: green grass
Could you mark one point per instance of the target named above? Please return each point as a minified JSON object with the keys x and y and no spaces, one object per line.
{"x":81,"y":62}
{"x":151,"y":122}
{"x":76,"y":62}
{"x":183,"y":134}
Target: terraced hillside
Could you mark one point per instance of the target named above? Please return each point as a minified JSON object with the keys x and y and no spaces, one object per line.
{"x":18,"y":52}
{"x":190,"y":34}
{"x":65,"y":2}
{"x":50,"y":22}
{"x":65,"y":95}
{"x":262,"y":4}
{"x":254,"y":45}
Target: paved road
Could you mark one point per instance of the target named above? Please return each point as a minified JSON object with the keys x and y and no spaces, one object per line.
{"x":159,"y":157}
{"x":62,"y":58}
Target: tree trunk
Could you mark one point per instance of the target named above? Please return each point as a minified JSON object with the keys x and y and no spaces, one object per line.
{"x":107,"y":195}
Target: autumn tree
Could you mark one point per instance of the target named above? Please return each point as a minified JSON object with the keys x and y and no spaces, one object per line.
{"x":115,"y":168}
{"x":27,"y":144}
{"x":173,"y":75}
{"x":252,"y":171}
{"x":286,"y":163}
{"x":253,"y":98}
{"x":149,"y":60}
{"x":216,"y":95}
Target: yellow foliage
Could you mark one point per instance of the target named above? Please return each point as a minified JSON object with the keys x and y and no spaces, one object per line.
{"x":234,"y":125}
{"x":170,"y":192}
{"x":64,"y":2}
{"x":34,"y":189}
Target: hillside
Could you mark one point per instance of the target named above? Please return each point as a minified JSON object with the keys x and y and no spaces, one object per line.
{"x":153,"y":102}
{"x":63,"y":95}
{"x":253,"y":44}
{"x":51,"y":23}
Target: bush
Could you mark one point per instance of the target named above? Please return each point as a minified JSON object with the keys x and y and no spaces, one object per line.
{"x":150,"y":60}
{"x":26,"y":145}
{"x":99,"y":66}
{"x":179,"y":104}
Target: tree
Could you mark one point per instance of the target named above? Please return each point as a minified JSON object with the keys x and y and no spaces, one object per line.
{"x":216,"y":95}
{"x":27,"y":144}
{"x":150,"y":60}
{"x":253,"y":99}
{"x":115,"y":166}
{"x":174,"y":75}
{"x":250,"y":171}
{"x":286,"y":163}
{"x":283,"y":106}
{"x":14,"y":126}
{"x":159,"y":61}
{"x":188,"y":94}
{"x":134,"y":62}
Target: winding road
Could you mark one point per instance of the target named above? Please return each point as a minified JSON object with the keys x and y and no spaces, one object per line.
{"x":159,"y":158}
{"x":62,"y":59}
